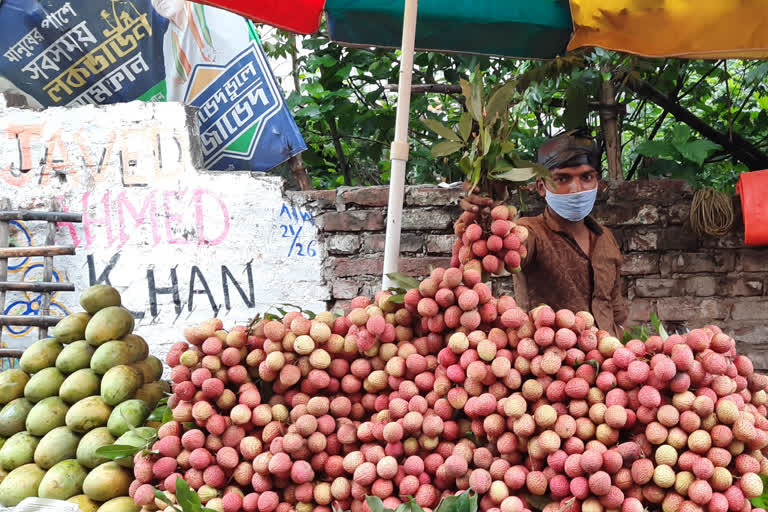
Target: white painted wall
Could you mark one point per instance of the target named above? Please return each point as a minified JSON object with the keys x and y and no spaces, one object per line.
{"x":150,"y":214}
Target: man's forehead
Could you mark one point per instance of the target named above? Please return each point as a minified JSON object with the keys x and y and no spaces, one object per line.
{"x":574,"y":171}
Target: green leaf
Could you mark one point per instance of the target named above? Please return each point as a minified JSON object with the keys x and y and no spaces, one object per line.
{"x":681,"y":133}
{"x":508,"y":172}
{"x":446,"y":148}
{"x":404,"y":281}
{"x":465,"y":165}
{"x":117,"y":451}
{"x":698,"y":150}
{"x":576,"y":106}
{"x":487,"y":140}
{"x":397,"y":299}
{"x":160,"y":495}
{"x":465,"y":126}
{"x":656,"y":322}
{"x":466,"y":90}
{"x":657,"y":149}
{"x":374,"y":503}
{"x":167,"y":415}
{"x":498,"y":104}
{"x":537,"y":502}
{"x":187,"y":498}
{"x":477,"y":96}
{"x":440,"y":129}
{"x":473,"y":502}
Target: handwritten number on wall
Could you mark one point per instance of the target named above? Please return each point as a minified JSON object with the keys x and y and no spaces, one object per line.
{"x":293,"y":232}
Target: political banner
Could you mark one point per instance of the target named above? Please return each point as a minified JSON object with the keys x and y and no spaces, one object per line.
{"x":81,"y":52}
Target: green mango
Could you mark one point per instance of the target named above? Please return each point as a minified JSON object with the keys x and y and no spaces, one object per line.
{"x":119,"y":384}
{"x":63,"y":481}
{"x":41,"y":354}
{"x":85,"y":503}
{"x":131,"y":413}
{"x":98,"y":297}
{"x":46,"y":415}
{"x":110,"y":323}
{"x":111,"y":353}
{"x":43,"y":384}
{"x":18,"y":450}
{"x":21,"y":483}
{"x":92,"y":441}
{"x":57,"y":445}
{"x":12,"y":384}
{"x":75,"y":356}
{"x":138,"y":346}
{"x":120,"y":504}
{"x":71,"y":328}
{"x":106,"y":482}
{"x":157,"y":367}
{"x":81,"y":384}
{"x":87,"y":414}
{"x":14,"y":415}
{"x":153,"y":392}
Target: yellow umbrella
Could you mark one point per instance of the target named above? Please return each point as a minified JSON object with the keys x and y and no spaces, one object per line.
{"x":705,"y":29}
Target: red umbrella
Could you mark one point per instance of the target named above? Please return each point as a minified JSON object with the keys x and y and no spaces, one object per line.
{"x":302,"y":16}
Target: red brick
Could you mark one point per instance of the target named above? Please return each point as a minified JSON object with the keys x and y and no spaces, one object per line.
{"x":440,"y":243}
{"x":655,"y":287}
{"x":617,"y":215}
{"x":665,"y":192}
{"x":419,"y":267}
{"x":677,"y":238}
{"x":366,"y":196}
{"x":679,"y":213}
{"x":703,"y":311}
{"x":316,"y":195}
{"x":409,"y":242}
{"x":345,"y":289}
{"x":742,"y":287}
{"x":358,"y":220}
{"x":429,"y":219}
{"x":346,"y":267}
{"x":732,"y":240}
{"x":342,"y":244}
{"x":753,"y":260}
{"x":432,"y":196}
{"x":639,"y":263}
{"x":697,"y":262}
{"x":750,"y":310}
{"x":639,"y":312}
{"x":643,"y":241}
{"x":702,"y":286}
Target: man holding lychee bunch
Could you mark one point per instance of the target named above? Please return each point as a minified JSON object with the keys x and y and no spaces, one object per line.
{"x":572,"y":261}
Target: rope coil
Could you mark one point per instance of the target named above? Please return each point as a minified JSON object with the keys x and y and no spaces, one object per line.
{"x":711,"y":212}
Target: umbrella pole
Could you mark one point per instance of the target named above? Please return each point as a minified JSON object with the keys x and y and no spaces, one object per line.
{"x":400,"y":148}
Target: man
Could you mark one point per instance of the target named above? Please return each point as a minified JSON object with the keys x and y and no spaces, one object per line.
{"x":573,"y":262}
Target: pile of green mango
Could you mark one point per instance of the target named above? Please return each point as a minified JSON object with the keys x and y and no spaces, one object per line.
{"x":93,"y":383}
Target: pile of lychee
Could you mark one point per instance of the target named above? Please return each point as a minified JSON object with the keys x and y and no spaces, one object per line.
{"x":453,"y":389}
{"x":489,"y":242}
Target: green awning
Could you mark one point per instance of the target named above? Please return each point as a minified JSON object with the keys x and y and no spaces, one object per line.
{"x":512,"y":28}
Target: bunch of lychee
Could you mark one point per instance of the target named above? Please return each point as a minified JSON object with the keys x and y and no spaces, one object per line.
{"x":489,"y":242}
{"x":455,"y":389}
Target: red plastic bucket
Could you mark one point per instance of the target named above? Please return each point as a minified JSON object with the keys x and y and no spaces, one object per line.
{"x":753,"y":189}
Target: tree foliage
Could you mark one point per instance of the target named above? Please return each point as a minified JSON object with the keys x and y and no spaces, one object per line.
{"x":346,"y":110}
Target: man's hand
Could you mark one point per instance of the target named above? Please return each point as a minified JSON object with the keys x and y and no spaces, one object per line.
{"x":475,"y":203}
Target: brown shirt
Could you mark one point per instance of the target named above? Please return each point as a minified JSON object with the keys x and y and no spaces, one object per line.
{"x":556,"y":272}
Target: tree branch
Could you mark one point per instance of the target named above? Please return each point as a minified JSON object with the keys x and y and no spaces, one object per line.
{"x":739,"y":147}
{"x":340,"y":151}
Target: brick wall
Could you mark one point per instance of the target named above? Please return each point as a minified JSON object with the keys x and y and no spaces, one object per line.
{"x":668,"y":269}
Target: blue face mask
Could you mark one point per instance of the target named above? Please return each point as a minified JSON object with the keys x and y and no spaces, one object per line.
{"x":572,"y":207}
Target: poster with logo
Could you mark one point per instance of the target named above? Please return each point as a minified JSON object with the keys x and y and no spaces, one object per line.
{"x":80,"y":52}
